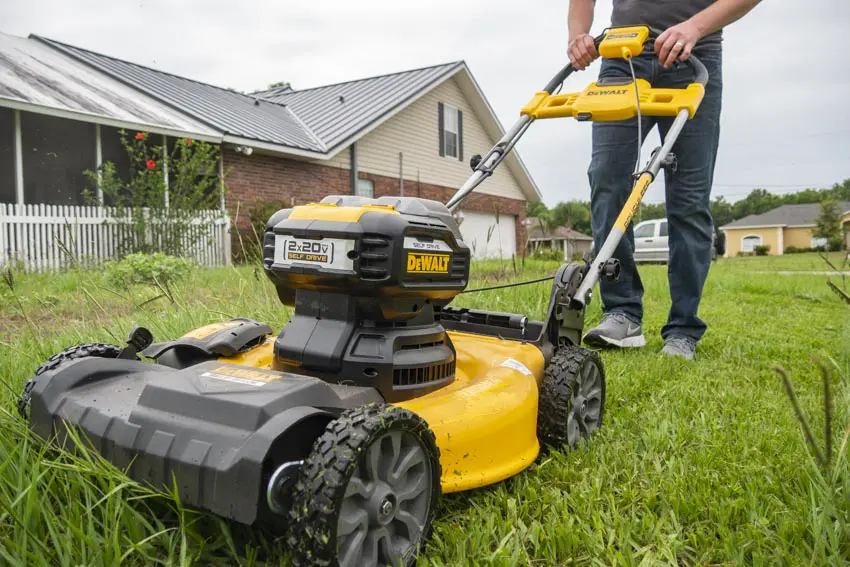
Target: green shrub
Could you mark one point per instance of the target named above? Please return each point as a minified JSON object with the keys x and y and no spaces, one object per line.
{"x":835,"y":244}
{"x":252,"y":239}
{"x":762,"y":249}
{"x":147,"y":269}
{"x":548,"y":254}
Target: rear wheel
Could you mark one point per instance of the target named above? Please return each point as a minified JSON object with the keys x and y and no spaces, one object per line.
{"x":86,"y":350}
{"x":572,"y":397}
{"x":367,"y":493}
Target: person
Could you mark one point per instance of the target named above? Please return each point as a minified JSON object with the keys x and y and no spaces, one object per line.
{"x":687,"y":27}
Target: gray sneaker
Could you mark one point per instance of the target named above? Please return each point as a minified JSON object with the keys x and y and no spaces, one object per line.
{"x":677,"y":345}
{"x":616,"y":330}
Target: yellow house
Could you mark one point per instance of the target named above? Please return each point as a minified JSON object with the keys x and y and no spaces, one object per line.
{"x":788,"y":225}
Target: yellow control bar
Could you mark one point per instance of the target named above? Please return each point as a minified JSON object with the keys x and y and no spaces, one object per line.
{"x":613,"y":102}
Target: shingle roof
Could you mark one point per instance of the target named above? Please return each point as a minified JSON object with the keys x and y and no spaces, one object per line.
{"x":315,"y":123}
{"x":336,"y":112}
{"x":32,"y":73}
{"x":786,"y":215}
{"x":230,"y":112}
{"x":537,"y":232}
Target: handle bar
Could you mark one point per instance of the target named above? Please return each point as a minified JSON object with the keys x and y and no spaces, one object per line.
{"x":700,"y":72}
{"x":485,"y":166}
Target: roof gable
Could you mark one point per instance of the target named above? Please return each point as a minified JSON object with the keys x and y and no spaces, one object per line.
{"x":786,"y":215}
{"x":338,"y":112}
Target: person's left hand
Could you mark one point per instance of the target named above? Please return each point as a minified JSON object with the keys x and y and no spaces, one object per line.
{"x":676,"y":43}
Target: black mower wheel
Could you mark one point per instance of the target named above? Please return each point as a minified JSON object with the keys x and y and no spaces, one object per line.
{"x":572,"y":397}
{"x":367,"y":493}
{"x":86,"y":350}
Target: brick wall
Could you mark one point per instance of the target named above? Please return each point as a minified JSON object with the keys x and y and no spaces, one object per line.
{"x":257,"y":179}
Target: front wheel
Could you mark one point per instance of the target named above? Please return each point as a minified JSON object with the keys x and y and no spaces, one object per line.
{"x":572,"y":397}
{"x":86,"y":350}
{"x":367,"y":493}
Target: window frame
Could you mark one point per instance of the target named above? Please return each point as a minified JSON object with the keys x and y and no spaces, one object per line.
{"x":751,"y":236}
{"x":455,"y":112}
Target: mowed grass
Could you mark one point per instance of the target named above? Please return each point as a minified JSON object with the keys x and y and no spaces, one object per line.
{"x":700,"y":463}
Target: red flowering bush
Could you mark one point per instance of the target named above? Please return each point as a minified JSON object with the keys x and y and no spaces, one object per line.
{"x":161,"y":211}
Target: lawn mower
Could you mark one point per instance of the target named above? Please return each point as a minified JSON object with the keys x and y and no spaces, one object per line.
{"x":345,"y":428}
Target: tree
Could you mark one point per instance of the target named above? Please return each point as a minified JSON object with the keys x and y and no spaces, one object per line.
{"x":721,"y":211}
{"x":572,"y":214}
{"x":757,"y":202}
{"x":829,"y":224}
{"x":280,"y":84}
{"x":650,"y":211}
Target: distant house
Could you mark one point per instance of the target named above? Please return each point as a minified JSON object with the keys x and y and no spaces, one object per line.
{"x":571,"y":241}
{"x":780,"y":228}
{"x":408,"y":133}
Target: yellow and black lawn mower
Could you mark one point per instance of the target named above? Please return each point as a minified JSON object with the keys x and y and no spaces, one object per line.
{"x":344,"y":429}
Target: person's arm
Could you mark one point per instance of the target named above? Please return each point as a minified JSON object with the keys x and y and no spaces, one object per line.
{"x":679,"y":40}
{"x":581,"y":50}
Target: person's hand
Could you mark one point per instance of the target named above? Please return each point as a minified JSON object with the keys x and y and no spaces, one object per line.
{"x":582,"y":51}
{"x":676,"y":43}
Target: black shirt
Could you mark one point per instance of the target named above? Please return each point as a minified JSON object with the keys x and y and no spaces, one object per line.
{"x":661,"y":14}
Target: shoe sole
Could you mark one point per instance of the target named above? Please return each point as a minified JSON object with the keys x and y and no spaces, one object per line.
{"x":628,"y":342}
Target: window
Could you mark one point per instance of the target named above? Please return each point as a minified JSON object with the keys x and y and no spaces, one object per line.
{"x":663,"y":231}
{"x":749,"y":243}
{"x":365,"y":188}
{"x":451,"y":131}
{"x":645,"y":231}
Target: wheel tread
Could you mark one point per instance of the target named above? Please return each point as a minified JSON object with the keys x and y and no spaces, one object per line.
{"x":325,"y":473}
{"x":559,"y":380}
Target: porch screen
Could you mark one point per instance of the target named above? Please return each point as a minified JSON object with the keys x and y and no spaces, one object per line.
{"x":7,"y":155}
{"x":56,"y":151}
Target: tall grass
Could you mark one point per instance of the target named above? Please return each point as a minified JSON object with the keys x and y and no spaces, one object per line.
{"x":699,"y":463}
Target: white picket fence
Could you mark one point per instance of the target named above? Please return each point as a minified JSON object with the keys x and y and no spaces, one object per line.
{"x":54,"y":237}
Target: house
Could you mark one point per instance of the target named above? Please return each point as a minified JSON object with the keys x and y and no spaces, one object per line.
{"x":571,"y":241}
{"x":408,"y":133}
{"x":781,"y":228}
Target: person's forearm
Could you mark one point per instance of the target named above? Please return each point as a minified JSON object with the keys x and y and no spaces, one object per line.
{"x":721,"y":14}
{"x":580,"y":17}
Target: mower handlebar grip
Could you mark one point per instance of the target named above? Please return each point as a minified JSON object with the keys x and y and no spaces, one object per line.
{"x":700,"y":72}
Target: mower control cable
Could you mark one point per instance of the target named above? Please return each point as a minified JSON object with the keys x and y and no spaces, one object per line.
{"x":515,"y":284}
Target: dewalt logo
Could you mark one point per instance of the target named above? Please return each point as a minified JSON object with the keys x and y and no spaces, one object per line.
{"x":427,"y":263}
{"x":607,"y":92}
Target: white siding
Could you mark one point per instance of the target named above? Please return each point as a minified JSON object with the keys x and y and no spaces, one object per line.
{"x":414,"y":132}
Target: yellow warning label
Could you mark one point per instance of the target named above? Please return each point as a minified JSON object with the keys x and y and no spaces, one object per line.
{"x":243,"y":374}
{"x":427,"y":263}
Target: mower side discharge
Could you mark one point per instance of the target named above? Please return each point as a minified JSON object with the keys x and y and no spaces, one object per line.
{"x":211,"y":425}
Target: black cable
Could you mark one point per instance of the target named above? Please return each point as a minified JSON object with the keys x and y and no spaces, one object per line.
{"x":516,"y":284}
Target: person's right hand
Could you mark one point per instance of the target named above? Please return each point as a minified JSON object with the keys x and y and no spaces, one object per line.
{"x":582,"y":51}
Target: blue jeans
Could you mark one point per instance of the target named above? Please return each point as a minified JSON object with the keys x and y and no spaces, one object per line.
{"x":687,"y":193}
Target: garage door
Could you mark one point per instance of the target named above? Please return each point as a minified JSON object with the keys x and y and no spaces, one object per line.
{"x":488,"y":237}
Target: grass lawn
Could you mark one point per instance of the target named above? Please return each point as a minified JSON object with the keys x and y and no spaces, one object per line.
{"x":700,"y":463}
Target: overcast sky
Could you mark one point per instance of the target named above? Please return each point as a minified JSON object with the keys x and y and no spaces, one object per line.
{"x":786,"y":111}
